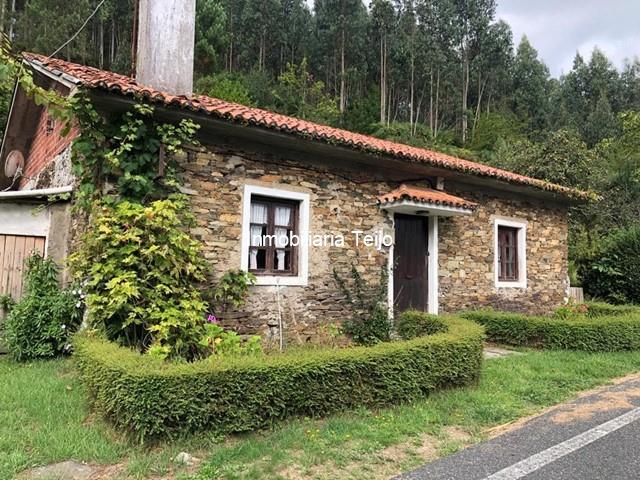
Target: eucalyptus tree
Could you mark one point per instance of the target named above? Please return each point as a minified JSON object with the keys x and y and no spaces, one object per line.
{"x":383,"y":23}
{"x":472,"y":19}
{"x":530,"y":95}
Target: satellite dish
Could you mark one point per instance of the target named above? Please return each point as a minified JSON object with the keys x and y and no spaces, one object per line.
{"x":13,"y":163}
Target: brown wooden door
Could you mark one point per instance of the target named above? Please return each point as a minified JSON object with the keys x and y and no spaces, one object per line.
{"x":14,"y":250}
{"x":410,"y":256}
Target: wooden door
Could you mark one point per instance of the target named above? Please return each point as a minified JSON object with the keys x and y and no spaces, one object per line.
{"x":14,"y":250}
{"x":410,"y":257}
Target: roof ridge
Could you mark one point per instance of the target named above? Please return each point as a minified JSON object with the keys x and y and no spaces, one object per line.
{"x":96,"y":78}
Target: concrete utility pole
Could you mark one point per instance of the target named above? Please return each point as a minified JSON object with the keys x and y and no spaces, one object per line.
{"x":165,"y":50}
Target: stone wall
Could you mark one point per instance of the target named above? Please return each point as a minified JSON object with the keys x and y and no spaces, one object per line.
{"x":216,"y":180}
{"x":466,"y":256}
{"x":215,"y":177}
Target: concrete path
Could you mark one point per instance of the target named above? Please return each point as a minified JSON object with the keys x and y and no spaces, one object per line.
{"x":596,"y":437}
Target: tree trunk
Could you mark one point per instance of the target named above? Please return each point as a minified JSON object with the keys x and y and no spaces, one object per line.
{"x":431,"y":101}
{"x":383,"y":80}
{"x":412,"y":89}
{"x":465,"y":94}
{"x":343,"y":100}
{"x":476,"y":118}
{"x":3,"y":5}
{"x":435,"y":118}
{"x":13,"y":19}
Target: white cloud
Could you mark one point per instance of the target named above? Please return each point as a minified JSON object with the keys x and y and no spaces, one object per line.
{"x":558,"y":29}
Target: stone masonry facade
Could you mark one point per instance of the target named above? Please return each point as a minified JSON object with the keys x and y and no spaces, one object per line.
{"x":215,"y":176}
{"x":466,"y":256}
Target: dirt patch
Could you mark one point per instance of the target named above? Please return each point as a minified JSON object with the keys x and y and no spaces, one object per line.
{"x":507,"y":427}
{"x":607,"y":401}
{"x":379,"y":465}
{"x":457,"y":434}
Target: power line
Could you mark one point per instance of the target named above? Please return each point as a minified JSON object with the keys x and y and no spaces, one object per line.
{"x":79,"y":30}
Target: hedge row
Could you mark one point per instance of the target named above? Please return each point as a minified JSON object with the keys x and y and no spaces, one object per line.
{"x":150,"y":398}
{"x":601,"y":309}
{"x":594,"y":334}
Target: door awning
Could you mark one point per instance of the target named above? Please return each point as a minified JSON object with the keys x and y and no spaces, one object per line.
{"x":413,"y":200}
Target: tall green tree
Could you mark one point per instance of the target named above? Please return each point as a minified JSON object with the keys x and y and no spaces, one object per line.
{"x":530,"y":94}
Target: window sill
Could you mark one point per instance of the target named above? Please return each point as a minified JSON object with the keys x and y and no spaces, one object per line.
{"x":274,"y":280}
{"x":518,"y":284}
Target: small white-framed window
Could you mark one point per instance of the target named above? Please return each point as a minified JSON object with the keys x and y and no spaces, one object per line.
{"x":510,"y":253}
{"x":275,"y":229}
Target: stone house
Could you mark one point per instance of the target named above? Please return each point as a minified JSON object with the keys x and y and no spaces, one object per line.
{"x":452,"y":233}
{"x":293,"y":201}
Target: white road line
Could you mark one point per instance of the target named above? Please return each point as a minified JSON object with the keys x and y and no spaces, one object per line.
{"x":551,"y":454}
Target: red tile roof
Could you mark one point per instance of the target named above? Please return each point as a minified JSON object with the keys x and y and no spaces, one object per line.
{"x":94,"y":78}
{"x":425,"y":195}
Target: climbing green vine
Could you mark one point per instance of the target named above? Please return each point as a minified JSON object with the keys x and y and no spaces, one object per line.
{"x":127,"y":155}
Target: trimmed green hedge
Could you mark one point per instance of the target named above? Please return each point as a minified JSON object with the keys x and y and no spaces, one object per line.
{"x":601,"y":309}
{"x":150,"y":398}
{"x":594,"y":334}
{"x":415,"y":323}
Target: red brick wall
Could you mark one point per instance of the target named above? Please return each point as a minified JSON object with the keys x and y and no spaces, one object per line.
{"x":46,"y":145}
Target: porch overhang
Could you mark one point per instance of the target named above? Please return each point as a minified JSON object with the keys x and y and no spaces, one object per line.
{"x":411,"y":200}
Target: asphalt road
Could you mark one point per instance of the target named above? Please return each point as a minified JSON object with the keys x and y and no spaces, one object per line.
{"x":596,"y":437}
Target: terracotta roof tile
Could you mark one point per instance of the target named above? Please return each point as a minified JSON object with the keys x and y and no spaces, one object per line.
{"x":425,"y":195}
{"x":91,"y":77}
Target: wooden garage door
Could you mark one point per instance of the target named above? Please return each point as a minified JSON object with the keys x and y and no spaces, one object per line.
{"x":14,"y":249}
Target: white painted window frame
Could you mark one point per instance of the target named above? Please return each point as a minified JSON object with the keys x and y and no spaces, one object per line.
{"x":302,"y":278}
{"x":521,"y":225}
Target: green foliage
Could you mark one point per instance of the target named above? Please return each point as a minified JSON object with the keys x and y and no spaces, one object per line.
{"x":150,"y":398}
{"x":232,"y":290}
{"x":614,"y":275}
{"x":414,"y":323}
{"x":210,"y":36}
{"x":297,"y":93}
{"x":370,"y":322}
{"x":589,"y":333}
{"x":125,"y":152}
{"x":41,"y":323}
{"x":492,"y":128}
{"x":601,"y":309}
{"x":142,"y":269}
{"x":223,"y":342}
{"x":225,"y":86}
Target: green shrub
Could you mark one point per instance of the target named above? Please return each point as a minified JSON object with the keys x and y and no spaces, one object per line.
{"x":601,"y":309}
{"x":414,"y":323}
{"x":151,"y":398}
{"x":142,"y":269}
{"x":615,"y":274}
{"x":593,"y":334}
{"x":40,"y":324}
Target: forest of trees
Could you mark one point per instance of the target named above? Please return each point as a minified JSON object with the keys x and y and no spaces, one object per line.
{"x":442,"y":74}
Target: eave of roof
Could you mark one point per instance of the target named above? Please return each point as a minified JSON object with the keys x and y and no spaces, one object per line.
{"x":94,"y":78}
{"x":426,"y":196}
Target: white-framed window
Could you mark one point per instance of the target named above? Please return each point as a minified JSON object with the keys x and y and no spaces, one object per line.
{"x":510,"y":253}
{"x":275,"y":228}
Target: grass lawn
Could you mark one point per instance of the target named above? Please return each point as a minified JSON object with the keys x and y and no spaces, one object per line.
{"x":44,"y":419}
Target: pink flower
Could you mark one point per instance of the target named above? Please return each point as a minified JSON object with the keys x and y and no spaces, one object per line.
{"x":212,"y":319}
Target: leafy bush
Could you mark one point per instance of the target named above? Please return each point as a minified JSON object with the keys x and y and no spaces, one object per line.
{"x":40,"y":324}
{"x":150,"y":398}
{"x":142,"y":271}
{"x":595,"y":334}
{"x":615,"y":274}
{"x":601,"y":309}
{"x":232,"y":290}
{"x":414,"y":323}
{"x":370,"y":322}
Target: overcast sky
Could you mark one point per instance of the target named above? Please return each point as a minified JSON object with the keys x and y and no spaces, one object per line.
{"x":559,"y":28}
